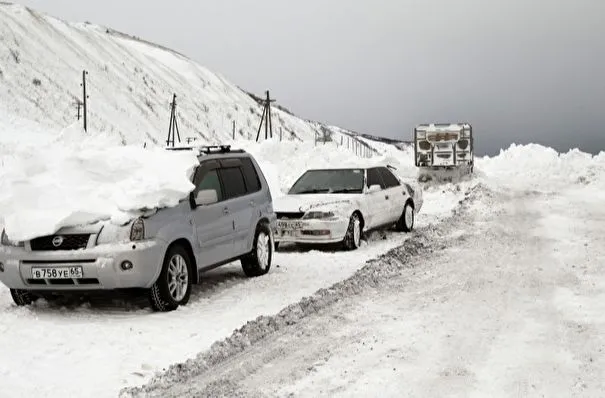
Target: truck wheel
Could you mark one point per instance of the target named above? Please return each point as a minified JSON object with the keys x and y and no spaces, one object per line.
{"x":258,"y":261}
{"x":352,"y":239}
{"x":173,"y":286}
{"x":22,"y":297}
{"x":406,"y":220}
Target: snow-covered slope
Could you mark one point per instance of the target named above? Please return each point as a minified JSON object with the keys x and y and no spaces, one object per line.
{"x":130,"y":84}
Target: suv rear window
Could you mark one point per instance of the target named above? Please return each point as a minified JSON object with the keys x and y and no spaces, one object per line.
{"x":251,"y":176}
{"x":233,"y":182}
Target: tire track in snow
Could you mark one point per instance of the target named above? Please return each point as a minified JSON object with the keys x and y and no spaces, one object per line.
{"x":372,"y":275}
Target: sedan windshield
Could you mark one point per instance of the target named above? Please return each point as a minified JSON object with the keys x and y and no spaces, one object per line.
{"x":329,"y":181}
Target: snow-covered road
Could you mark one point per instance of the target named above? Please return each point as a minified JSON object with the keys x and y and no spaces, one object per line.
{"x":106,"y":346}
{"x":510,"y":303}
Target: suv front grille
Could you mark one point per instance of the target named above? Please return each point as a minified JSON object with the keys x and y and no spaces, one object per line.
{"x":60,"y":242}
{"x":289,"y":215}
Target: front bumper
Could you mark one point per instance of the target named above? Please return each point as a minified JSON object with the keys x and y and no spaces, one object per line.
{"x":101,"y":268}
{"x":311,"y":231}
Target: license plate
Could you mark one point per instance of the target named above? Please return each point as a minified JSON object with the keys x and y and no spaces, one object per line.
{"x":57,"y":272}
{"x":289,"y":224}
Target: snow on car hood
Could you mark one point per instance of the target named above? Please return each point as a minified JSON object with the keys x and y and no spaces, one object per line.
{"x":306,"y":202}
{"x":81,"y":178}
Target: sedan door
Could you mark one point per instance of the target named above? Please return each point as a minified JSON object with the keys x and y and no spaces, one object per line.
{"x":396,"y":192}
{"x":378,"y":203}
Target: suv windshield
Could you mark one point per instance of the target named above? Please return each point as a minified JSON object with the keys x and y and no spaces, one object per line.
{"x":329,"y":181}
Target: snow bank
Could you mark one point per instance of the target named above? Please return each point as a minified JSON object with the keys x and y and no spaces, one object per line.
{"x":536,"y":165}
{"x":80,"y":178}
{"x":283,"y":162}
{"x":76,"y":177}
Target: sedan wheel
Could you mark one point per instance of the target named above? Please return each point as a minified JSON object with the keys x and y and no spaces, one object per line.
{"x":352,"y":239}
{"x":406,"y":221}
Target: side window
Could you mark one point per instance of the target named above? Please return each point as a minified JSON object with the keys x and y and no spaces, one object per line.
{"x":389,"y":179}
{"x":210,"y":180}
{"x":233,"y":181}
{"x":251,"y":176}
{"x":374,"y":178}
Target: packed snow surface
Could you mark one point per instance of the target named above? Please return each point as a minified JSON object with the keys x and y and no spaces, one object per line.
{"x":503,"y":299}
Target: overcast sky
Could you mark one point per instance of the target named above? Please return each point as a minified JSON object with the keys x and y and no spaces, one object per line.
{"x":517,"y":70}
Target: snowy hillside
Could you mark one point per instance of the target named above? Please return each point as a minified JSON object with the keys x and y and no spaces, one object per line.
{"x":130,"y":84}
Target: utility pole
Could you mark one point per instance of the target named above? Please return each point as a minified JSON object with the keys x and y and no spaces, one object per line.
{"x":266,"y":118}
{"x":84,"y":97}
{"x":173,"y":127}
{"x":78,"y":105}
{"x":234,"y":130}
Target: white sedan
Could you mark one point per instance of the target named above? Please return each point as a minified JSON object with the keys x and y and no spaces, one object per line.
{"x":340,"y":204}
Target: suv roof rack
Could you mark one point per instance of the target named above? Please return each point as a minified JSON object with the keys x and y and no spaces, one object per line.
{"x":215,"y":148}
{"x":207,"y":149}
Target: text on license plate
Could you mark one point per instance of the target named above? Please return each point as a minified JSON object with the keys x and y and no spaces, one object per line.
{"x":289,"y":224}
{"x":57,"y":272}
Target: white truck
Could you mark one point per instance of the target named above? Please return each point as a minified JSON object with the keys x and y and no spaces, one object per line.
{"x":443,"y":151}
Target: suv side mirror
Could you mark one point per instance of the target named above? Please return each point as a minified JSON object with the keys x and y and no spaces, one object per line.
{"x":374,"y":188}
{"x":206,"y":197}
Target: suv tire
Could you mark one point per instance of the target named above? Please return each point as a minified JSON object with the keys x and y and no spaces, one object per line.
{"x":258,"y":261}
{"x":173,"y":286}
{"x":22,"y":297}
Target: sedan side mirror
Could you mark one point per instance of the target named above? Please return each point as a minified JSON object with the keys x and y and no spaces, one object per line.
{"x":206,"y":197}
{"x":374,"y":188}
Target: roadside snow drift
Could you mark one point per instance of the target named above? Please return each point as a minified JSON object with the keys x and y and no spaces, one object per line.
{"x":79,"y":179}
{"x":539,"y":166}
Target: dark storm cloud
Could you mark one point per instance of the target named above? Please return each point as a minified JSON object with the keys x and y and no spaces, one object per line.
{"x":518,"y":70}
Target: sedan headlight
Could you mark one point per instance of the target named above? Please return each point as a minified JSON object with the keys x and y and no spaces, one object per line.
{"x":7,"y":242}
{"x":137,"y":230}
{"x":319,"y":215}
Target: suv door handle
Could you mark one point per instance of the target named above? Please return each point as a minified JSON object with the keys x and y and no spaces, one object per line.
{"x":226,"y":210}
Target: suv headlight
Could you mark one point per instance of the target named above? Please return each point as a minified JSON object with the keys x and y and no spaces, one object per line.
{"x":7,"y":242}
{"x":137,"y":230}
{"x":318,"y":215}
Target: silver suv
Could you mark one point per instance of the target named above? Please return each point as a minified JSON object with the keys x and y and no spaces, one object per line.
{"x":227,"y":217}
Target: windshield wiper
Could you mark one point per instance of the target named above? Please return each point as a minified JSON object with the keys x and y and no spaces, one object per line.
{"x":347,"y":190}
{"x":314,"y":190}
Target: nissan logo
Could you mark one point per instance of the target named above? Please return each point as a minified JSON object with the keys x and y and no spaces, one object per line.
{"x":57,"y":241}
